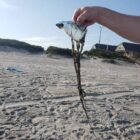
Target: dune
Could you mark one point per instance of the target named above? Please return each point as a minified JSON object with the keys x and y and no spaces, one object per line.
{"x":9,"y":49}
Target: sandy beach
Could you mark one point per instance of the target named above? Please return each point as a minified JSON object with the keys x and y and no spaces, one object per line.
{"x":42,"y":103}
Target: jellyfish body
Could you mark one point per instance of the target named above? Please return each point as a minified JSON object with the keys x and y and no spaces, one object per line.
{"x":75,"y":31}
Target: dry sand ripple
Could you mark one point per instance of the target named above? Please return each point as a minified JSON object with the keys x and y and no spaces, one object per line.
{"x":43,"y":103}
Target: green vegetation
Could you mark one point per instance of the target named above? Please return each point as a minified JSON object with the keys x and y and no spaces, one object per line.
{"x":103,"y":54}
{"x":21,"y":45}
{"x":108,"y":56}
{"x":59,"y":51}
{"x":112,"y":61}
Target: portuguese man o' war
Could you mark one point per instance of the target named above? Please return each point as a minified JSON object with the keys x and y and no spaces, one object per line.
{"x":75,"y":31}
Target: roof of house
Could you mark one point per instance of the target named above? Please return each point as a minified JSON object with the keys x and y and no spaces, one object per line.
{"x":131,"y":46}
{"x":106,"y":47}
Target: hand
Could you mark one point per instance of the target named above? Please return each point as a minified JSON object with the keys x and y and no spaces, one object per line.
{"x":86,"y":16}
{"x":127,"y":26}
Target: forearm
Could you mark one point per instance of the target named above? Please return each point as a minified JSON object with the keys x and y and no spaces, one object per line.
{"x":124,"y":25}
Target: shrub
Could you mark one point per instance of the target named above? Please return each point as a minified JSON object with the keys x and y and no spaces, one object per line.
{"x":103,"y":54}
{"x":59,"y":51}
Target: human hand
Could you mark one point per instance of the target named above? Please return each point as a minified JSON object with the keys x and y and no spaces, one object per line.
{"x":86,"y":15}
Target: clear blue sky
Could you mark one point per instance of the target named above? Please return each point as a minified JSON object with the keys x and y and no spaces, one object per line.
{"x":34,"y":21}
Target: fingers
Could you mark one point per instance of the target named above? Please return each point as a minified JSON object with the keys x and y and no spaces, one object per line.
{"x":86,"y":15}
{"x":76,"y":14}
{"x":81,"y":17}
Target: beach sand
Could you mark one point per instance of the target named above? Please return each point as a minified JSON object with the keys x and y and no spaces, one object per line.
{"x":42,"y":101}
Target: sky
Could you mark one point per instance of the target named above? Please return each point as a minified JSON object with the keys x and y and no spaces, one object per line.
{"x":33,"y":21}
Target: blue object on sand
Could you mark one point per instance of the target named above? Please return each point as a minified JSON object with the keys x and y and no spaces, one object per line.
{"x":15,"y":70}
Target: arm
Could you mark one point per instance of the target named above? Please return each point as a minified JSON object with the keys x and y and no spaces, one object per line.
{"x":125,"y":25}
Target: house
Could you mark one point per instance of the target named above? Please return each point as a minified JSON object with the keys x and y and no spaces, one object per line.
{"x":105,"y":47}
{"x":129,"y":49}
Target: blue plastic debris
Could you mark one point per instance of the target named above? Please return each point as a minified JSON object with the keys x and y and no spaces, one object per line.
{"x":15,"y":70}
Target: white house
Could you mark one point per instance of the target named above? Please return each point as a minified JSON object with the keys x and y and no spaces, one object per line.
{"x":129,"y":49}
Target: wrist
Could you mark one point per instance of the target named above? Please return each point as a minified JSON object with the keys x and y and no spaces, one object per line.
{"x":99,"y":13}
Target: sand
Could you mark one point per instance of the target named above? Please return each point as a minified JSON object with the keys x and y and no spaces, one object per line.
{"x":42,"y":102}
